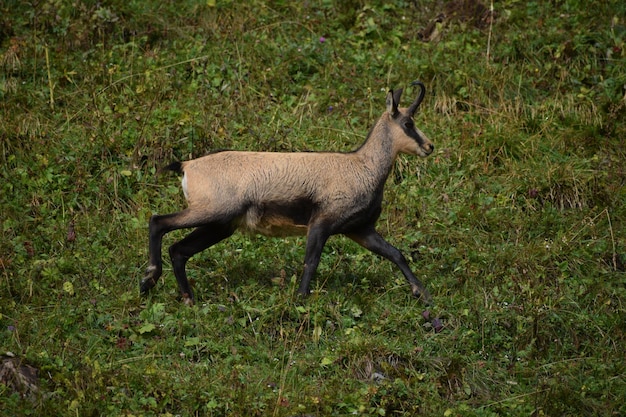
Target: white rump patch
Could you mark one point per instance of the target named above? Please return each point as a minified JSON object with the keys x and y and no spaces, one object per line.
{"x":184,"y":182}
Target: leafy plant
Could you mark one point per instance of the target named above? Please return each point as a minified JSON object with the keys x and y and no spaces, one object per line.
{"x":515,"y":223}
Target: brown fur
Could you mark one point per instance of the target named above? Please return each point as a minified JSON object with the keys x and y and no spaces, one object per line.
{"x":263,"y":186}
{"x":279,"y":194}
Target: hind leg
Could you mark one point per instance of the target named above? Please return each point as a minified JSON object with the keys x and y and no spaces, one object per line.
{"x":158,"y":227}
{"x":197,"y":241}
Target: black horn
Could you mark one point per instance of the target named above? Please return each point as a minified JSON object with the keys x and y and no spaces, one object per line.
{"x":419,"y":98}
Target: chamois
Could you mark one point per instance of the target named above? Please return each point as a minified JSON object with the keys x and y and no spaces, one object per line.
{"x":317,"y":194}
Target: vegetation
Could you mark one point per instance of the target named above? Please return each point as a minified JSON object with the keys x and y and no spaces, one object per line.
{"x":516,"y":222}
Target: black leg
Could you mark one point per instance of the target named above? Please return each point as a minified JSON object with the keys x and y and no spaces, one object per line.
{"x":159,"y":226}
{"x":316,"y":239}
{"x":197,"y":241}
{"x":372,"y":240}
{"x":157,"y":230}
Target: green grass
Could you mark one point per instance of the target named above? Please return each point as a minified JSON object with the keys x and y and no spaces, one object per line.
{"x":515,"y":223}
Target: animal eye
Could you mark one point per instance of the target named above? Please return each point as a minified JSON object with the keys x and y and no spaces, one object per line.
{"x":409,"y":125}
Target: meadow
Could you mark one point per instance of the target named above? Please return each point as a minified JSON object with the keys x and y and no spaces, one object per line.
{"x":516,"y":223}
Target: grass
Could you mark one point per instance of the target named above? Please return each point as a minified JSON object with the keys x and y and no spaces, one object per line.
{"x":515,"y":223}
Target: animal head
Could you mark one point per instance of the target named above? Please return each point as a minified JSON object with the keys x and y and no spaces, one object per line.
{"x":410,"y":139}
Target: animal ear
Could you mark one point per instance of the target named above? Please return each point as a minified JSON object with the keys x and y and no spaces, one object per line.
{"x":393,"y":99}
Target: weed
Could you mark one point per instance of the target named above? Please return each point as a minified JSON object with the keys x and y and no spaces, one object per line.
{"x":516,"y":223}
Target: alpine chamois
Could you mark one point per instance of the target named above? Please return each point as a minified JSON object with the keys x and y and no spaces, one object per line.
{"x":317,"y":194}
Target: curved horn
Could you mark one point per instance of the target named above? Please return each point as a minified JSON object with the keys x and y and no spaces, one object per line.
{"x":419,"y":98}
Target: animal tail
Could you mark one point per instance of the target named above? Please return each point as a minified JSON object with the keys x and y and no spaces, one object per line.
{"x":174,"y":166}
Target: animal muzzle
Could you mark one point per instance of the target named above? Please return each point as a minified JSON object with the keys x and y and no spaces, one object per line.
{"x":424,"y":145}
{"x":427,"y":147}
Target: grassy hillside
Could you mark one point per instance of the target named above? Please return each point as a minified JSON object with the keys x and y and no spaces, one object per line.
{"x":516,"y":223}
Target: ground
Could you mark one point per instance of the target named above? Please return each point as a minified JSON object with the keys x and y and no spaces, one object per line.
{"x":515,"y":223}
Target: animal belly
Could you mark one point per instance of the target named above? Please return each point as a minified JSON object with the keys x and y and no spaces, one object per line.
{"x":277,"y":220}
{"x":276,"y":227}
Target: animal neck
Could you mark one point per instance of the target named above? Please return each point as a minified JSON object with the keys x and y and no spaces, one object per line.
{"x":378,"y":152}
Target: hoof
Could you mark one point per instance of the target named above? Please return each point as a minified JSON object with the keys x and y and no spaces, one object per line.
{"x":423,"y":295}
{"x":145,"y":285}
{"x":187,"y":300}
{"x":150,"y":279}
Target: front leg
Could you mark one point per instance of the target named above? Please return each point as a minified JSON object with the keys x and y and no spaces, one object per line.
{"x":315,"y":241}
{"x":370,"y":239}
